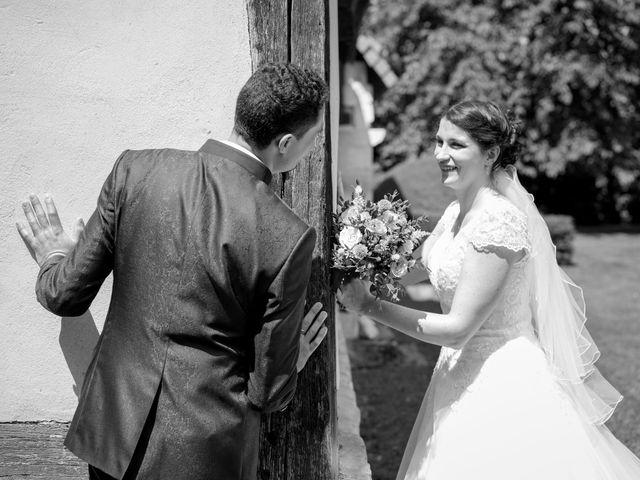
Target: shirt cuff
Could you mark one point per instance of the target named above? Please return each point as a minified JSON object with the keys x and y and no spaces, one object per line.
{"x":55,"y":253}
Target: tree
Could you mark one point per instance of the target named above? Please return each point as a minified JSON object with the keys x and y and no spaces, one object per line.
{"x":570,"y":69}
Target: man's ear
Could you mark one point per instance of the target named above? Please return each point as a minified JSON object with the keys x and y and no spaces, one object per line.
{"x":285,"y":142}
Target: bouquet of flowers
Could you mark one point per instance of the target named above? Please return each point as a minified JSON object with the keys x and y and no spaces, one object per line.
{"x":375,"y":241}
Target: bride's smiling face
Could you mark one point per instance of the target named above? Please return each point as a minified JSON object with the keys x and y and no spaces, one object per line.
{"x":461,"y":159}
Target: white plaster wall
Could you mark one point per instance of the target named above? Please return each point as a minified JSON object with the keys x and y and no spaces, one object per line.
{"x":80,"y":81}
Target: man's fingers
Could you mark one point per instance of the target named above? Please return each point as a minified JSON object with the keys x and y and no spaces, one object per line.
{"x":31,"y":217}
{"x":316,"y":325}
{"x":27,"y":237}
{"x":52,"y":213}
{"x":310,"y":316}
{"x":311,"y":340}
{"x":315,"y":308}
{"x":319,"y":338}
{"x":24,"y":232}
{"x":37,"y":207}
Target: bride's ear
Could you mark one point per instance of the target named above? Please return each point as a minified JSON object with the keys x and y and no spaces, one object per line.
{"x":492,"y":155}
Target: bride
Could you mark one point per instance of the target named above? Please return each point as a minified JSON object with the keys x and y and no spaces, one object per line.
{"x":515,"y":394}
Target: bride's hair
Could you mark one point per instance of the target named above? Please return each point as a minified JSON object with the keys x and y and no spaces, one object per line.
{"x":489,"y":126}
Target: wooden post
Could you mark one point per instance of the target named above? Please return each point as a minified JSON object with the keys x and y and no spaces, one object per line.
{"x":301,"y":443}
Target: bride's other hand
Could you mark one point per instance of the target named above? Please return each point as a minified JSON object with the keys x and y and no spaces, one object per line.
{"x":355,"y":295}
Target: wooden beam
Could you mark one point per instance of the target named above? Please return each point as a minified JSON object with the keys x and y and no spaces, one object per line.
{"x":268,"y":25}
{"x":269,"y":42}
{"x":301,"y":443}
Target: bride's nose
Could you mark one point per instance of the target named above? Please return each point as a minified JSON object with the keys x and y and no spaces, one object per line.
{"x":442,"y":154}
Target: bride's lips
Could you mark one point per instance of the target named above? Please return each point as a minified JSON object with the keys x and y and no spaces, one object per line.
{"x":447,"y":168}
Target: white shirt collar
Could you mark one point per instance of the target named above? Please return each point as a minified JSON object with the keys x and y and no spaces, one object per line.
{"x":241,"y":148}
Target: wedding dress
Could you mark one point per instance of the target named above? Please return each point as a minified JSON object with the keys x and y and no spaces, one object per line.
{"x":504,"y":407}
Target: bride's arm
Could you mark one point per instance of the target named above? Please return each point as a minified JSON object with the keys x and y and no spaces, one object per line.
{"x":481,"y":280}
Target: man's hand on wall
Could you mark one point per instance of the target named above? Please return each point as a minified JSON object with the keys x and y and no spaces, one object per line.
{"x":44,"y":236}
{"x":313,"y":332}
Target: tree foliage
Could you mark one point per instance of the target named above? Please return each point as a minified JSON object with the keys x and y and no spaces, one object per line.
{"x":569,"y":69}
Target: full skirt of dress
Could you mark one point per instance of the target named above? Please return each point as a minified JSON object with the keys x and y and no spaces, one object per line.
{"x":497,"y":412}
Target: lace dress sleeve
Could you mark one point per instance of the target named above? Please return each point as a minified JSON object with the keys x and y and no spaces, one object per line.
{"x":503,"y":228}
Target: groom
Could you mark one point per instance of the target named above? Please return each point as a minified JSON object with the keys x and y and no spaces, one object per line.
{"x":209,"y":276}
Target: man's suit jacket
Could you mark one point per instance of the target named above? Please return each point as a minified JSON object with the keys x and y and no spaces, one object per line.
{"x":202,"y":334}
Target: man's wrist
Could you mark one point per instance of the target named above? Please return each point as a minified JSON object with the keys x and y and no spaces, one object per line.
{"x":51,"y":254}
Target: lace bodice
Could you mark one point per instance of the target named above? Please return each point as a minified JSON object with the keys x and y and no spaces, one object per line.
{"x":499,"y":225}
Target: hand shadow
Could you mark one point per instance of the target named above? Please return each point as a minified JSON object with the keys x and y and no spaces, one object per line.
{"x":78,"y":338}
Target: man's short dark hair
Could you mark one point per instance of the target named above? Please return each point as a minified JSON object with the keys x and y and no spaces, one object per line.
{"x":279,"y":98}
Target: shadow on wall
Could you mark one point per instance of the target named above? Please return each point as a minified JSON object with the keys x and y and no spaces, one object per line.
{"x":78,"y":339}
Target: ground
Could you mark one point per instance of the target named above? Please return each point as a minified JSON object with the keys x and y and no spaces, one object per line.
{"x":35,"y":451}
{"x":390,"y":376}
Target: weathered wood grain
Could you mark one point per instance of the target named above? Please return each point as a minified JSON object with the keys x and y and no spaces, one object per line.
{"x":35,"y":450}
{"x":268,"y":31}
{"x":301,"y":443}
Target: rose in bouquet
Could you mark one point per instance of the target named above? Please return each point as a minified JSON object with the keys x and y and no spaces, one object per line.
{"x":375,"y":241}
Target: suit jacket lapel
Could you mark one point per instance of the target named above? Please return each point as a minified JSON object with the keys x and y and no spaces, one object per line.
{"x":254,"y":167}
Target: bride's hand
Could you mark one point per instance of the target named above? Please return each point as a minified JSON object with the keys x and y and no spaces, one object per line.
{"x":355,"y":295}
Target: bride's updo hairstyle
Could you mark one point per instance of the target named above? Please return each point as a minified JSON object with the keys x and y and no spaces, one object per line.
{"x":489,"y":126}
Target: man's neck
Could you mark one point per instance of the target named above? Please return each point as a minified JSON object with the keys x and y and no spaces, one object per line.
{"x":238,"y":140}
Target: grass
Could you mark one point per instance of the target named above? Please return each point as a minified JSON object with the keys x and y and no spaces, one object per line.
{"x":607,"y":266}
{"x":390,"y":377}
